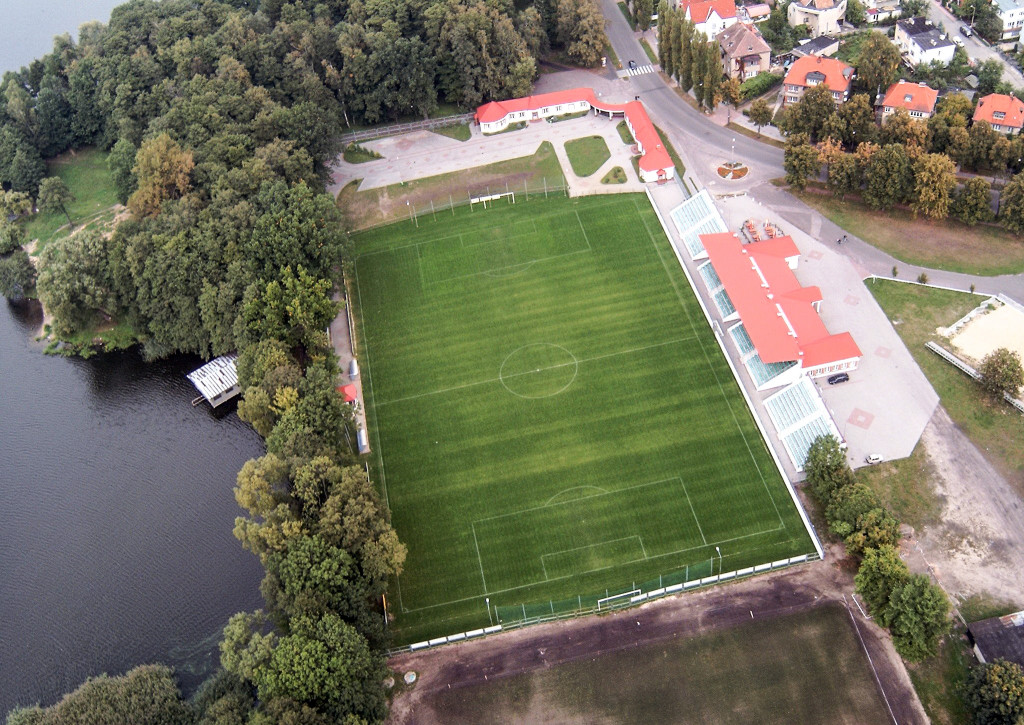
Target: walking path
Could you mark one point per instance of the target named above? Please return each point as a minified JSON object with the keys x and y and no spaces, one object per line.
{"x":341,"y":339}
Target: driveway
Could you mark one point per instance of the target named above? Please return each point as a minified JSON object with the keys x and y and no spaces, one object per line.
{"x":976,"y":49}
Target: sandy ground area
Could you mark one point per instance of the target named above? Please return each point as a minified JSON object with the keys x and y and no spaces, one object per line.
{"x":1002,"y":327}
{"x":978,"y":548}
{"x":690,"y":614}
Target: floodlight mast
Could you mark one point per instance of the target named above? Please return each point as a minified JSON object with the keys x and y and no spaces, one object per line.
{"x":719,"y":560}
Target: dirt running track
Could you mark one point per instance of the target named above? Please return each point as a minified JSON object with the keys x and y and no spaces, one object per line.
{"x":684,"y":615}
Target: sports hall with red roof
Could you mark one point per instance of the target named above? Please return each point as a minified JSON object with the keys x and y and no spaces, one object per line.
{"x":655,"y":162}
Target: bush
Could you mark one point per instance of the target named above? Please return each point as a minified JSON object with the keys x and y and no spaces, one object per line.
{"x":1001,"y":372}
{"x":922,"y":278}
{"x":759,"y":84}
{"x":995,"y":692}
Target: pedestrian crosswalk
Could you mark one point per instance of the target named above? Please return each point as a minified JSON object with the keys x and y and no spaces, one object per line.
{"x":640,"y":70}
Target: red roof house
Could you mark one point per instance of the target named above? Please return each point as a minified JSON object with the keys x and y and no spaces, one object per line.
{"x":779,"y":315}
{"x":655,"y":162}
{"x":812,"y":70}
{"x":917,"y":99}
{"x":710,"y":17}
{"x":1004,"y":113}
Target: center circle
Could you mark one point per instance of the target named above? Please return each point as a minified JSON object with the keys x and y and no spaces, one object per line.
{"x":538,"y":370}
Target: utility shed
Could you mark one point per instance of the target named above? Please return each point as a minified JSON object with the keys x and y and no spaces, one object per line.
{"x":217,"y":380}
{"x":999,"y":638}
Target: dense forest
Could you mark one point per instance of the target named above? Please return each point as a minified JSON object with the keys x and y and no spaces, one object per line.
{"x":221,"y":117}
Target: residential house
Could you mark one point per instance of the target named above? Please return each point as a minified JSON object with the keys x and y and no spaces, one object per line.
{"x":922,"y":42}
{"x":710,"y":17}
{"x":1011,"y":12}
{"x":756,"y":13}
{"x":1004,"y":114}
{"x":744,"y":52}
{"x":917,"y":99}
{"x":824,"y":45}
{"x":875,"y":11}
{"x":812,"y":70}
{"x":821,"y":16}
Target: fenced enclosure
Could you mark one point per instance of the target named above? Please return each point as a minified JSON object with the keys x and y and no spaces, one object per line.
{"x":413,"y":201}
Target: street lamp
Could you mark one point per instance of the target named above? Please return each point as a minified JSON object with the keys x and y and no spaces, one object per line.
{"x":732,"y":154}
{"x":719,"y":560}
{"x":488,"y":600}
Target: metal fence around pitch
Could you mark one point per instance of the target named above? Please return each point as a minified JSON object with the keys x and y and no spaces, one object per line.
{"x":479,"y":198}
{"x":395,"y":129}
{"x":512,"y":616}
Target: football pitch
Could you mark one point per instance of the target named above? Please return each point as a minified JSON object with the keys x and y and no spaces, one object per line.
{"x":550,"y":415}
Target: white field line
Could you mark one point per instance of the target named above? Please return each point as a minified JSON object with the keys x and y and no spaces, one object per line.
{"x":531,"y":372}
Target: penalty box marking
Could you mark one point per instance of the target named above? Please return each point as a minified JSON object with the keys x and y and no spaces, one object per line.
{"x":479,"y":558}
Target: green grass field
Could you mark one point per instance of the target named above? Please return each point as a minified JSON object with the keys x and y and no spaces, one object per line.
{"x":85,"y":172}
{"x":550,"y":414}
{"x":587,"y":154}
{"x":799,"y":668}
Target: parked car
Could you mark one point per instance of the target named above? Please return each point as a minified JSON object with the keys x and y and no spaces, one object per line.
{"x":632,"y":65}
{"x":959,"y":42}
{"x":965,"y":31}
{"x":838,"y":378}
{"x":873,"y":458}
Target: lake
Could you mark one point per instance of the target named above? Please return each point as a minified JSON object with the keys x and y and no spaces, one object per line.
{"x":115,"y":529}
{"x":29,"y":26}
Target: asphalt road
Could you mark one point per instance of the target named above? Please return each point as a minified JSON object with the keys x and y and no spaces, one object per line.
{"x":705,"y":144}
{"x":976,"y":49}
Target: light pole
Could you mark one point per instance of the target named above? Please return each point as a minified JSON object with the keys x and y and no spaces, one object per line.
{"x":488,"y":600}
{"x":719,"y":560}
{"x":732,"y":153}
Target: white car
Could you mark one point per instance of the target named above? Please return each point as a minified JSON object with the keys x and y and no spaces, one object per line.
{"x":959,"y":42}
{"x":873,"y":458}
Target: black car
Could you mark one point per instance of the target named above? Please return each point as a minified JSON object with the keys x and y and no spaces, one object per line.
{"x":838,"y":378}
{"x":632,"y":65}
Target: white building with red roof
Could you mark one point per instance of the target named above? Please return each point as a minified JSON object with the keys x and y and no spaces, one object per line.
{"x":710,"y":17}
{"x":917,"y":99}
{"x":655,"y":163}
{"x":776,"y":327}
{"x":813,"y":70}
{"x":1004,"y":114}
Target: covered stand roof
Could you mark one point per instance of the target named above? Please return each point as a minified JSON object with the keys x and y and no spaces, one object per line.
{"x":654,"y":157}
{"x":217,"y":380}
{"x":776,"y":310}
{"x":1000,"y":637}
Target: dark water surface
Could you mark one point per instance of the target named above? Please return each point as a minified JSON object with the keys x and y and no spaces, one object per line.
{"x":29,"y":26}
{"x":116,"y":513}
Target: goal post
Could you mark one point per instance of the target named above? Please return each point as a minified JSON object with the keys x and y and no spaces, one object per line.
{"x":607,"y":602}
{"x":483,"y":199}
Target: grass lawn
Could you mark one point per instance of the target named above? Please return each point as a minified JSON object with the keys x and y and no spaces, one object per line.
{"x":550,"y":415}
{"x":363,"y":209}
{"x":615,"y":176}
{"x":587,"y":154}
{"x":624,"y":134}
{"x":356,"y":154}
{"x":85,"y":173}
{"x":680,"y":166}
{"x":651,"y":55}
{"x":800,"y":668}
{"x":458,"y":131}
{"x":993,"y":426}
{"x":938,"y":680}
{"x":612,"y":56}
{"x":944,"y":244}
{"x":628,"y":14}
{"x":753,"y":134}
{"x":849,"y":47}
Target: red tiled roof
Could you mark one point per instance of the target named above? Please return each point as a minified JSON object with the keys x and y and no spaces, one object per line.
{"x":911,"y":96}
{"x":776,"y":310}
{"x":996,"y":102}
{"x":654,"y":158}
{"x":837,"y":73}
{"x":699,"y":10}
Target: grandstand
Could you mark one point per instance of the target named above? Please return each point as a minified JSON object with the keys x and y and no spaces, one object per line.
{"x":778,"y":332}
{"x":694,"y":217}
{"x":800,"y":416}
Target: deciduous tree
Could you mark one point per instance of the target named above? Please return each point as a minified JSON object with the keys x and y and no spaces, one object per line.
{"x":1011,"y":204}
{"x":801,"y":161}
{"x":972,"y":203}
{"x":889,"y":178}
{"x":878,"y":63}
{"x":642,"y":11}
{"x":162,"y":171}
{"x":995,"y":693}
{"x":1001,"y":372}
{"x":917,"y":615}
{"x":760,"y":114}
{"x":17,"y":275}
{"x":843,"y":175}
{"x":881,"y":572}
{"x":54,"y":195}
{"x":934,"y":181}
